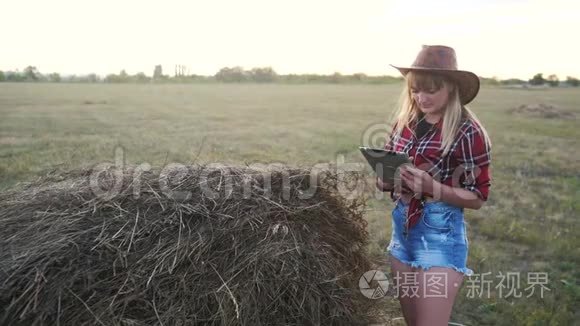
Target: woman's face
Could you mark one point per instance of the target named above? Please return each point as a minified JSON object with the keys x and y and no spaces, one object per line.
{"x":430,"y":100}
{"x":430,"y":92}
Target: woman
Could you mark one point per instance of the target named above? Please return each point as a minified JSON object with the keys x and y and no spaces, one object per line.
{"x":450,"y":153}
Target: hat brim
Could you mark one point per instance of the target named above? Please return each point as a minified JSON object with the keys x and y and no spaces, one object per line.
{"x":467,"y":81}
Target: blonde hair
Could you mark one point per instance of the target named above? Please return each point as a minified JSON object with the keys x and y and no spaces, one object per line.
{"x":454,"y":114}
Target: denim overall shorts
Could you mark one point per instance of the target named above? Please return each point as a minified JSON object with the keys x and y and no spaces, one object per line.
{"x":438,"y":239}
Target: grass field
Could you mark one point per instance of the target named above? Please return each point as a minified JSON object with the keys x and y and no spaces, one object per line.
{"x":529,"y":224}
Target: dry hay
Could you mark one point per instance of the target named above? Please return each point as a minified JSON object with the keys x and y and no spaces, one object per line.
{"x":160,"y":257}
{"x":542,"y":110}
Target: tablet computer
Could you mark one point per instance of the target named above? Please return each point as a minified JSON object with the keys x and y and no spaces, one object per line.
{"x":384,"y":162}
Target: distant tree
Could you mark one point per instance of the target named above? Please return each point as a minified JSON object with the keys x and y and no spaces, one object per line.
{"x":54,"y":77}
{"x":202,"y":78}
{"x":113,"y":78}
{"x":31,"y":73}
{"x":181,"y":70}
{"x":263,"y":75}
{"x":2,"y":77}
{"x":122,"y":77}
{"x":90,"y":78}
{"x":553,"y":80}
{"x":359,"y":76}
{"x":14,"y":76}
{"x":513,"y":81}
{"x":140,"y":78}
{"x":490,"y":81}
{"x":335,"y":78}
{"x":291,"y":78}
{"x":572,"y":81}
{"x":93,"y":78}
{"x":538,"y":79}
{"x":158,"y":72}
{"x":385,"y":79}
{"x":229,"y":75}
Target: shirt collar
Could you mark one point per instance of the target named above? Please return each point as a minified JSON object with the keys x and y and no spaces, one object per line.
{"x":438,"y":125}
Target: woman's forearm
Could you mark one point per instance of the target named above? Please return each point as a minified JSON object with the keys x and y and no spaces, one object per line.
{"x":456,"y":196}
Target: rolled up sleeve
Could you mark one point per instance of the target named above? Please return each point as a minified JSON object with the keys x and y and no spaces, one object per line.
{"x":473,"y":155}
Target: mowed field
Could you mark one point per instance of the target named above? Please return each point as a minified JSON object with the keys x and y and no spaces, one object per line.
{"x":530,"y":223}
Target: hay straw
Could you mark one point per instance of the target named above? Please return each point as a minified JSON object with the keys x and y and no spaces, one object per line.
{"x":252,"y":255}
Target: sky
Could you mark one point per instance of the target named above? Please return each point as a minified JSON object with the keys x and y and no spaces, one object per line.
{"x":505,"y":39}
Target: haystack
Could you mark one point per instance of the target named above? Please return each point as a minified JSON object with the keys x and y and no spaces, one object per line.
{"x":542,"y":110}
{"x":196,"y":246}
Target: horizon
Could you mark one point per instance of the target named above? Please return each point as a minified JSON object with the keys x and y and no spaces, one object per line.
{"x":503,"y":39}
{"x":170,"y":75}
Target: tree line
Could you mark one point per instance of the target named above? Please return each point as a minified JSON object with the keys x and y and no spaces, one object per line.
{"x":226,"y":75}
{"x":536,"y":80}
{"x":240,"y":75}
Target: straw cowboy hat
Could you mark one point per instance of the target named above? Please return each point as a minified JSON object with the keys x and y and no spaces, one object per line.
{"x":442,"y":60}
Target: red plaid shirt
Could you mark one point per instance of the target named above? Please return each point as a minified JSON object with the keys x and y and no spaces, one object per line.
{"x":466,"y":165}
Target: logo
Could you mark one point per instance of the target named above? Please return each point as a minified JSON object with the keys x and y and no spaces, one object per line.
{"x":373,"y":284}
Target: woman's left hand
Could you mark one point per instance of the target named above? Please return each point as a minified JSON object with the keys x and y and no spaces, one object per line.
{"x":417,"y":180}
